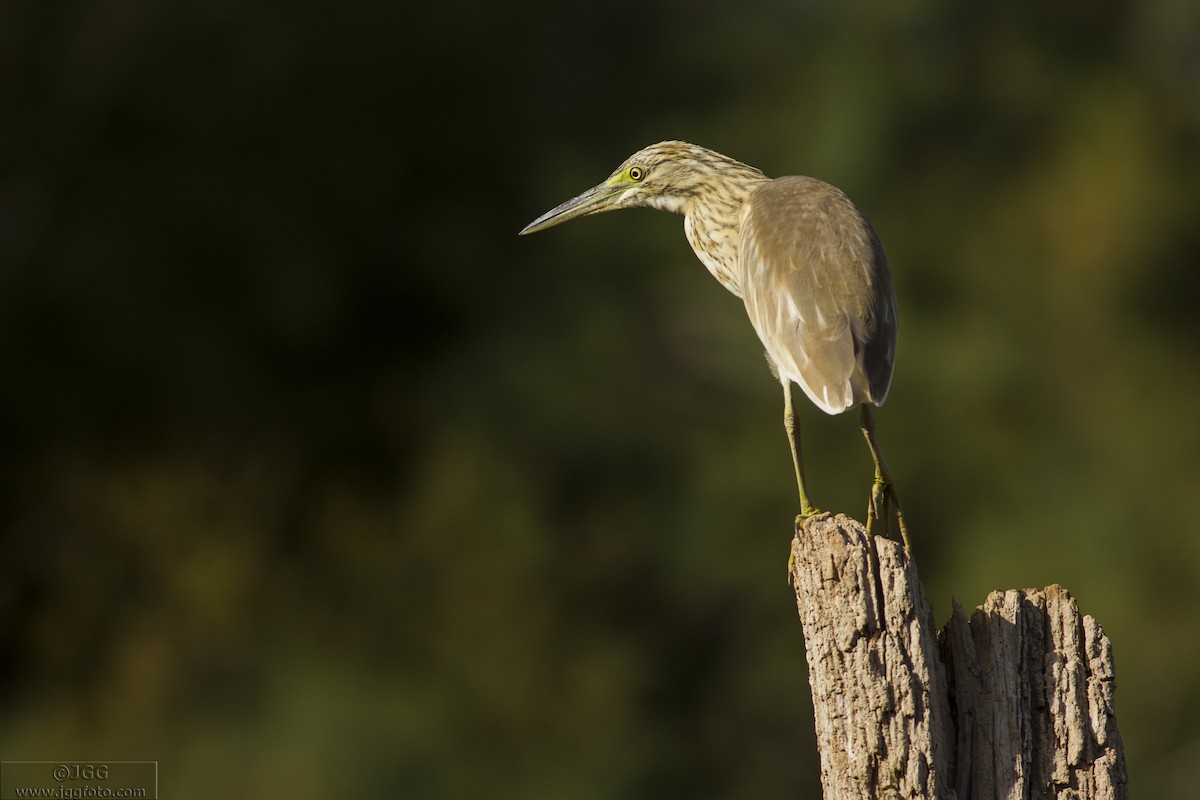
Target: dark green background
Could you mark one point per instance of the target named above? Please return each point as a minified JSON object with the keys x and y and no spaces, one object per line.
{"x":316,"y":481}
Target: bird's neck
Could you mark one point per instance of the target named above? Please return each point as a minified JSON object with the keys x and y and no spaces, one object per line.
{"x":712,"y":223}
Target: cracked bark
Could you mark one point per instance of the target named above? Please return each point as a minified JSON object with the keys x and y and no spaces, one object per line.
{"x":1016,"y":702}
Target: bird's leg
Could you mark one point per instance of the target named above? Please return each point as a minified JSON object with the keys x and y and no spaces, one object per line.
{"x":883,"y":490}
{"x":789,"y":424}
{"x":806,"y":508}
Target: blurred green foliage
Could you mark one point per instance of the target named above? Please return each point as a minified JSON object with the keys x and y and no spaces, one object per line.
{"x":317,"y":481}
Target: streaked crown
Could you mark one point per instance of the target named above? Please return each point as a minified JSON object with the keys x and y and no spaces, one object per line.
{"x":674,"y":175}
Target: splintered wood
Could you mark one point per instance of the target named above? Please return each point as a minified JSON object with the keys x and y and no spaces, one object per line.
{"x":1015,"y":703}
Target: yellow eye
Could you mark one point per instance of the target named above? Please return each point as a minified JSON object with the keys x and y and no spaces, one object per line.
{"x":636,"y":173}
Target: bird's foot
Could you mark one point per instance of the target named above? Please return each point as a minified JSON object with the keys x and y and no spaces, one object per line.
{"x":806,"y":512}
{"x":877,"y":508}
{"x":883,"y":503}
{"x":804,"y":515}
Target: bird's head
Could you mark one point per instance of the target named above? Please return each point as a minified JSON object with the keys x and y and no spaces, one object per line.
{"x":667,"y":176}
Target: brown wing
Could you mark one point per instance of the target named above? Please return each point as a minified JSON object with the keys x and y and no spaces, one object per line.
{"x":819,"y":292}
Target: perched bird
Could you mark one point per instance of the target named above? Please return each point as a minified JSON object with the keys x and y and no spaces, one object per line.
{"x":805,"y":261}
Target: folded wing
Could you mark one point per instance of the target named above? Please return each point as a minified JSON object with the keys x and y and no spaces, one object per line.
{"x":818,"y":290}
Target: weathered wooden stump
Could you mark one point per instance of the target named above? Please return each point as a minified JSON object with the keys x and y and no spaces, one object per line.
{"x":1016,"y":702}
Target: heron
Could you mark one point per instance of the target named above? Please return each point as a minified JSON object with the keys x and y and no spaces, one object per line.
{"x":808,"y":266}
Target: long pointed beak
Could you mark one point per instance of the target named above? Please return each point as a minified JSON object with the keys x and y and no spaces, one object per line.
{"x":596,"y":199}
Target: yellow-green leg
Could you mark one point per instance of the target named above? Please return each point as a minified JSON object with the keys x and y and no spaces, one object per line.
{"x":789,"y":424}
{"x":883,"y":490}
{"x":807,"y":509}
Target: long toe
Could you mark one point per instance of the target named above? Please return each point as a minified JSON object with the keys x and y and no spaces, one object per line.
{"x":895,"y":501}
{"x":877,"y":508}
{"x":805,"y":514}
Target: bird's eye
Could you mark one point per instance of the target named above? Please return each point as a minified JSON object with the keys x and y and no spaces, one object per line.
{"x":636,"y":173}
